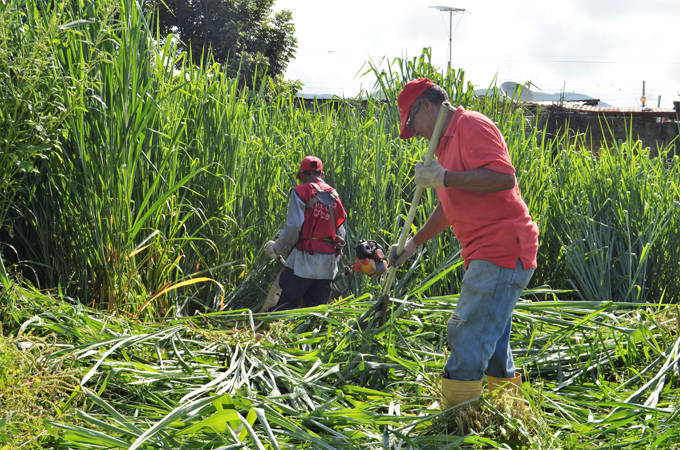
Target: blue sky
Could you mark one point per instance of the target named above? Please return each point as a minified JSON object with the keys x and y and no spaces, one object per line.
{"x":601,"y":48}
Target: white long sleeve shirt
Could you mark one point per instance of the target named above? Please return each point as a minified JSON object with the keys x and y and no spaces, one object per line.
{"x":319,"y":266}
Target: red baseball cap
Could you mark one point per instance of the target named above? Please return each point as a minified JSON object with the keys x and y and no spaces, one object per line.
{"x":409,"y":94}
{"x":311,"y":163}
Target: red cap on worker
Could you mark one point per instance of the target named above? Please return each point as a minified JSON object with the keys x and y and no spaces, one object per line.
{"x":311,"y":163}
{"x":412,"y":90}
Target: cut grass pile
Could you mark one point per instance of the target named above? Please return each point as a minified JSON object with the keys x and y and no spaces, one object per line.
{"x":599,"y":376}
{"x":34,"y":387}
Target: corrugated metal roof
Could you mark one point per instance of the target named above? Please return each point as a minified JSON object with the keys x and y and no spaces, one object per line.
{"x":583,"y":107}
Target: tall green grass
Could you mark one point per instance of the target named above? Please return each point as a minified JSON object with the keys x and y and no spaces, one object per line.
{"x":33,"y":112}
{"x":167,"y":179}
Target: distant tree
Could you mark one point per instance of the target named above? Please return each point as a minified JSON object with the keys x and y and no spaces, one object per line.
{"x":241,"y":34}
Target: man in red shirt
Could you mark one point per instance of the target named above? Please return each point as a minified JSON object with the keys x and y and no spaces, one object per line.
{"x":479,"y":198}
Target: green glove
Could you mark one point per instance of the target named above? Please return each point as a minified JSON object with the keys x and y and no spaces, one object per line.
{"x":432,"y":176}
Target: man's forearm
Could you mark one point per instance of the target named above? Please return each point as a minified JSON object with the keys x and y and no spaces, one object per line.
{"x":435,"y":224}
{"x":291,"y":231}
{"x":287,"y":239}
{"x":480,"y":180}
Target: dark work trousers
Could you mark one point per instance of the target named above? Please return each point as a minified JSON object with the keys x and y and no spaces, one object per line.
{"x":294,"y":289}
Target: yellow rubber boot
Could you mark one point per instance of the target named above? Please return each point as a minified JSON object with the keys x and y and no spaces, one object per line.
{"x":501,"y":386}
{"x":455,"y":392}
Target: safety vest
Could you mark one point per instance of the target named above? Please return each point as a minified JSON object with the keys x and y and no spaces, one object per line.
{"x":323,"y":216}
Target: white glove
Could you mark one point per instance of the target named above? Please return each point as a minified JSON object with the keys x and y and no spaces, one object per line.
{"x":432,"y":176}
{"x":409,"y":250}
{"x":269,"y":248}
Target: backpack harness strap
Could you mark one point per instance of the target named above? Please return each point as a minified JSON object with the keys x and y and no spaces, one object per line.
{"x":331,"y":208}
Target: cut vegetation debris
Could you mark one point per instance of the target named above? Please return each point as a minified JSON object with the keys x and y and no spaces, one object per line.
{"x":599,"y":375}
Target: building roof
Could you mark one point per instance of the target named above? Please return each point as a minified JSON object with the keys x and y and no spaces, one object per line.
{"x":586,"y":107}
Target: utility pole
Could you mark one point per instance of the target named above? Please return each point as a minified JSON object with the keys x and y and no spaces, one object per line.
{"x":643,"y":99}
{"x":451,"y":11}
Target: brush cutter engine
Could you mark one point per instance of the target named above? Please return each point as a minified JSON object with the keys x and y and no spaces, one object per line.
{"x":370,"y":258}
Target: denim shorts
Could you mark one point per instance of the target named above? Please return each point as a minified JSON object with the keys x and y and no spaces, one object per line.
{"x":479,"y":328}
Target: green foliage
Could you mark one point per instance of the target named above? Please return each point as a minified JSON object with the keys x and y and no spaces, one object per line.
{"x":32,"y":110}
{"x":596,"y":376}
{"x":608,"y":220}
{"x":617,"y":222}
{"x":190,"y":178}
{"x":244,"y":35}
{"x":280,"y":87}
{"x":391,"y":79}
{"x":164,"y":180}
{"x":169,"y":178}
{"x":32,"y":390}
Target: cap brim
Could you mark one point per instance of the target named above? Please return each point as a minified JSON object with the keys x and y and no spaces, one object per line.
{"x":405,"y":133}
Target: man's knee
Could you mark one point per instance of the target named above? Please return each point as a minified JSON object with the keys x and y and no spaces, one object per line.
{"x":455,"y":327}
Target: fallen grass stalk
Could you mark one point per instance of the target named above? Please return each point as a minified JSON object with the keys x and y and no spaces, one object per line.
{"x":315,"y":380}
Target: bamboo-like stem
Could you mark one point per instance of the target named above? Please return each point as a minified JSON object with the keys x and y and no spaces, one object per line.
{"x":392,"y":272}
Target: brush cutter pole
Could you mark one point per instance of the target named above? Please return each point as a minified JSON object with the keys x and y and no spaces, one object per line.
{"x":392,"y":271}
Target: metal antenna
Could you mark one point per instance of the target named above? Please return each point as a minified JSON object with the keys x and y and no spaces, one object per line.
{"x":451,"y":11}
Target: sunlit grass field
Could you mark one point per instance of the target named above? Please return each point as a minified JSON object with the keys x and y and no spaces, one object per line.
{"x":138,"y":192}
{"x":599,"y":376}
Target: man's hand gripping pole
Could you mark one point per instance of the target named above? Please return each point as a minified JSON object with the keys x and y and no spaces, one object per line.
{"x":392,"y":272}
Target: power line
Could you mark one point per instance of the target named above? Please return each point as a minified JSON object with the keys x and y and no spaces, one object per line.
{"x":567,"y":61}
{"x":523,"y":58}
